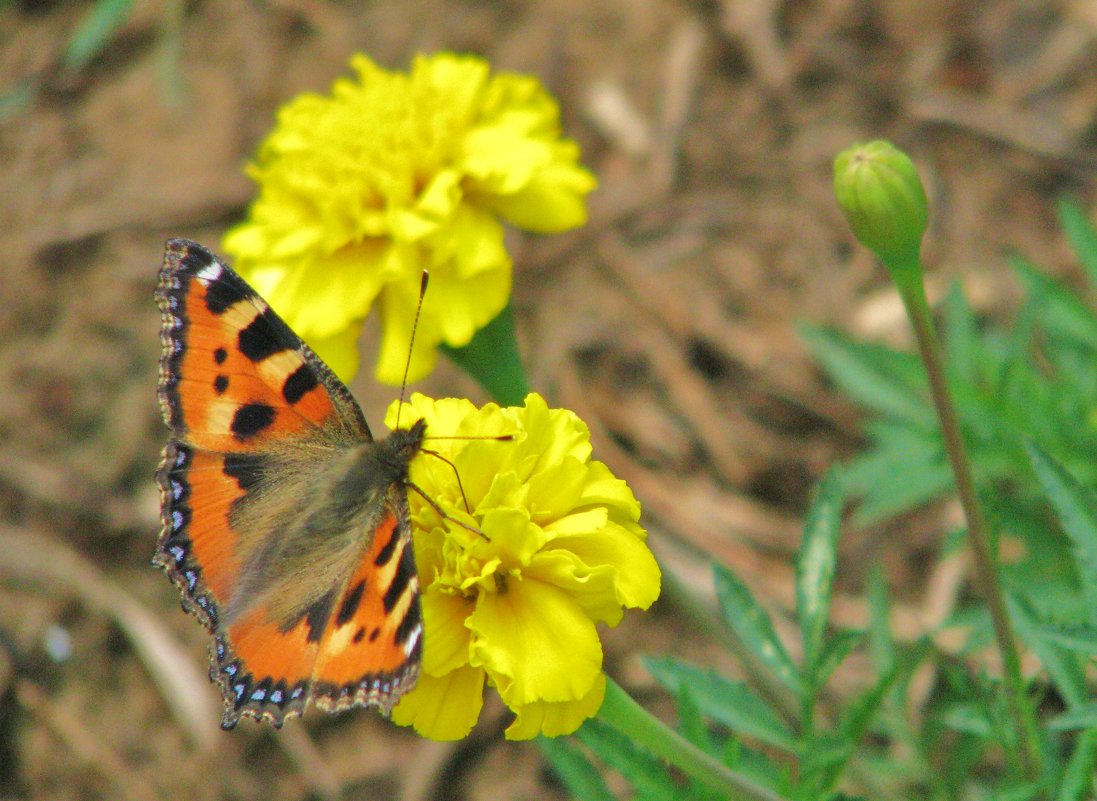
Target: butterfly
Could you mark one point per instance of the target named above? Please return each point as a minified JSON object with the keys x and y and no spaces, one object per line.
{"x":285,"y":524}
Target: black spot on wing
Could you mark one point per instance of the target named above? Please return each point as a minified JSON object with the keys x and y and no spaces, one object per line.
{"x":195,"y":259}
{"x":251,"y":419}
{"x":300,"y":382}
{"x":412,"y":620}
{"x":247,"y":469}
{"x":385,"y":554}
{"x":350,"y":604}
{"x":405,"y":572}
{"x":316,"y":616}
{"x":373,"y":635}
{"x":220,"y":355}
{"x":220,"y":384}
{"x":359,"y":635}
{"x":220,"y":294}
{"x":259,"y":339}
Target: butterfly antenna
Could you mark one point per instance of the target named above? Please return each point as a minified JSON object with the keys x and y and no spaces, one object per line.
{"x":411,"y":344}
{"x":456,"y":474}
{"x":442,"y":513}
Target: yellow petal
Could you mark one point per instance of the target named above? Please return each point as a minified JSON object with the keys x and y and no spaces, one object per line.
{"x":334,"y":291}
{"x":441,"y":198}
{"x":506,"y":490}
{"x":463,"y":304}
{"x":397,"y":303}
{"x":445,"y":638}
{"x":557,"y":719}
{"x":603,"y":488}
{"x":551,"y":434}
{"x":511,"y":537}
{"x":579,"y":524}
{"x":638,"y":575}
{"x":478,"y":246}
{"x":501,"y":159}
{"x":339,"y":351}
{"x":553,"y":200}
{"x":443,"y":707}
{"x":554,"y":493}
{"x":535,"y":642}
{"x":593,"y":588}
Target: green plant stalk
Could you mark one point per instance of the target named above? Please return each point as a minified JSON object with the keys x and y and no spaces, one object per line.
{"x":622,"y":713}
{"x":908,"y":278}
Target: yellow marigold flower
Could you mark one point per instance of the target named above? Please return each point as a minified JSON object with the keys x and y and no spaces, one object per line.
{"x":516,"y":606}
{"x":391,"y":173}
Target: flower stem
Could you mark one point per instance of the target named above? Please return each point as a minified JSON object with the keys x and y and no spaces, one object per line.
{"x":492,"y":358}
{"x":911,"y":289}
{"x":622,"y":713}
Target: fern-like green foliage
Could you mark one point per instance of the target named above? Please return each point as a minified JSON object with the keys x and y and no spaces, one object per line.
{"x":1032,"y":380}
{"x":1026,"y":394}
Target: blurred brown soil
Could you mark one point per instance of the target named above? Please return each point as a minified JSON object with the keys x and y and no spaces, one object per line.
{"x":668,"y":322}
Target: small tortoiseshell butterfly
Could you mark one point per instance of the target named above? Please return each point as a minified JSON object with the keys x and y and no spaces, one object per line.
{"x":285,"y":524}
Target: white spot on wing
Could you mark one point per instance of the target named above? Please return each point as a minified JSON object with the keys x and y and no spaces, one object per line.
{"x":409,"y":646}
{"x":210,"y":273}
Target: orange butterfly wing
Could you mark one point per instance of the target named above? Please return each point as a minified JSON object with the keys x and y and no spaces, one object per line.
{"x":377,"y":621}
{"x":259,"y":426}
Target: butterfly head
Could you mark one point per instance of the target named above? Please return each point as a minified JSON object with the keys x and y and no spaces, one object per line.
{"x":404,"y":444}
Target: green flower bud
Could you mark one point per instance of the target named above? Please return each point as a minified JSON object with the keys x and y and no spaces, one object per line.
{"x":882,"y":197}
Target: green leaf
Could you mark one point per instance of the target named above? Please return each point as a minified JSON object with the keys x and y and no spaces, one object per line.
{"x":643,"y":771}
{"x":95,"y":30}
{"x":18,"y":98}
{"x":822,"y":761}
{"x":881,"y":379}
{"x":860,"y":712}
{"x":881,"y":643}
{"x":963,"y":349}
{"x":690,"y":722}
{"x":755,"y":764}
{"x":815,"y":569}
{"x":692,"y":727}
{"x":1080,"y":638}
{"x":728,"y":702}
{"x":492,"y":358}
{"x":1082,"y":717}
{"x":1060,"y":310}
{"x":834,"y":652}
{"x":1076,"y":508}
{"x":1080,"y":234}
{"x":961,"y":761}
{"x":578,"y":774}
{"x":1066,"y":669}
{"x":753,"y":625}
{"x":967,"y":718}
{"x":906,"y":469}
{"x":1077,"y":782}
{"x":1027,"y":791}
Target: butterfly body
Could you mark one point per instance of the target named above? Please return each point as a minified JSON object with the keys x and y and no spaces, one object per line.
{"x":285,"y":524}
